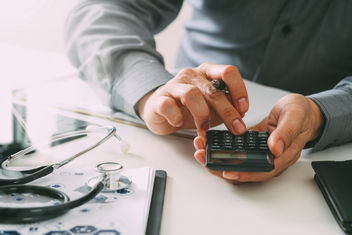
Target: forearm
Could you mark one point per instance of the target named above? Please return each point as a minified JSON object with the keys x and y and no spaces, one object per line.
{"x":112,"y":45}
{"x":336,"y":106}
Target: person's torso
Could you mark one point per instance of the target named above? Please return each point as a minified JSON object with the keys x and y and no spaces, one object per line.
{"x":301,"y":46}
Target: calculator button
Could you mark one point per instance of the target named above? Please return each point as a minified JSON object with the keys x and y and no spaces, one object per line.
{"x":215,"y":148}
{"x":251,"y":133}
{"x":262,"y":134}
{"x":251,"y":144}
{"x":263,"y":147}
{"x":227,"y":148}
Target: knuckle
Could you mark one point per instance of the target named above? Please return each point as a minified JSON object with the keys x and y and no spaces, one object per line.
{"x":228,"y":112}
{"x":230,"y":70}
{"x":165,"y":104}
{"x":185,"y":75}
{"x":209,"y":89}
{"x":186,"y":72}
{"x":212,"y":93}
{"x":191,"y":93}
{"x":204,"y":65}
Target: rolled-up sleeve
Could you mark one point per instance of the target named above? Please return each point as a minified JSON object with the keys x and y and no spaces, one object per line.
{"x":336,"y":106}
{"x":111,"y":43}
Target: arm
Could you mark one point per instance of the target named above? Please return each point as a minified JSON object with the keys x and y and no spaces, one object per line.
{"x":336,"y":106}
{"x":111,"y":43}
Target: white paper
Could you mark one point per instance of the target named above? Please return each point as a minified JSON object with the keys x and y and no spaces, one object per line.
{"x":108,"y":213}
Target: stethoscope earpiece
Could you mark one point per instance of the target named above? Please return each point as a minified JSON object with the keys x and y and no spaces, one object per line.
{"x":124,"y":145}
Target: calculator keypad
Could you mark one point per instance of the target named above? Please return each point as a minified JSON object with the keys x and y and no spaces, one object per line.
{"x":249,"y":142}
{"x":247,"y":152}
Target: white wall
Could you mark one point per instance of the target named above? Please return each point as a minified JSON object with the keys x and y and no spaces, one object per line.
{"x":39,"y":24}
{"x":34,"y":23}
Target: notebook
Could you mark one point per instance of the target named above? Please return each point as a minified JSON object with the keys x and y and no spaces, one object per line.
{"x":334,"y":181}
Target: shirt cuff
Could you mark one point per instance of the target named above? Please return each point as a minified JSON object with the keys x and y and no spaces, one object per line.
{"x":331,"y":104}
{"x":143,"y":74}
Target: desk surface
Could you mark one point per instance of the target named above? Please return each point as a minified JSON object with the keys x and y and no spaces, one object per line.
{"x":197,"y":202}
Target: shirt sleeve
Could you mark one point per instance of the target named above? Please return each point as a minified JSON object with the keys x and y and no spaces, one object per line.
{"x":111,"y":43}
{"x":336,"y":106}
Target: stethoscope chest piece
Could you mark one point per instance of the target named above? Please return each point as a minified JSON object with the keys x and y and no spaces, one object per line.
{"x":113,"y":180}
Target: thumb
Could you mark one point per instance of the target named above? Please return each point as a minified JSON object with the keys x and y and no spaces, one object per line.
{"x":288,"y":128}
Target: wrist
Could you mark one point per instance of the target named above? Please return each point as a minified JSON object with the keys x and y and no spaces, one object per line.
{"x":317,"y":119}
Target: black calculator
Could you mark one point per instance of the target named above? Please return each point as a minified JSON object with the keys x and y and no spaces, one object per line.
{"x":247,"y":152}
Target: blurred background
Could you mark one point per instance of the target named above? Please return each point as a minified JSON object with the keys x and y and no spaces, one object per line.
{"x":32,"y":49}
{"x":39,"y":24}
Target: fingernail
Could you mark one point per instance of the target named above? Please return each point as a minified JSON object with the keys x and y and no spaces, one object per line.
{"x":230,"y":176}
{"x":238,"y":126}
{"x":243,"y":105}
{"x":280,"y":147}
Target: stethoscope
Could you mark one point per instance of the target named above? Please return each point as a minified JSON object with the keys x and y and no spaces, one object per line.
{"x":110,"y":180}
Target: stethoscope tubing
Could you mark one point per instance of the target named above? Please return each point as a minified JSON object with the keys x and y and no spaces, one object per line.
{"x":34,"y":214}
{"x":46,"y":170}
{"x":29,"y":178}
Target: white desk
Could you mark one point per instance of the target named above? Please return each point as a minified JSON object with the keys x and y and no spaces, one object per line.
{"x":197,"y":202}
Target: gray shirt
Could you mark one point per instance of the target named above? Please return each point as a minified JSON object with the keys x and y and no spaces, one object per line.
{"x":300,"y":46}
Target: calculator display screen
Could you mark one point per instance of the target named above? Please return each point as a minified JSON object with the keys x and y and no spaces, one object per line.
{"x":244,"y":156}
{"x":237,"y":157}
{"x":227,"y":155}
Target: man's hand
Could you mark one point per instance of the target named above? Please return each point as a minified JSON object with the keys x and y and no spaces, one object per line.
{"x":190,"y":101}
{"x":293,"y":121}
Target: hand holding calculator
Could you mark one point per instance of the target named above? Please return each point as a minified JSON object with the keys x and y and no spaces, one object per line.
{"x":247,"y":152}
